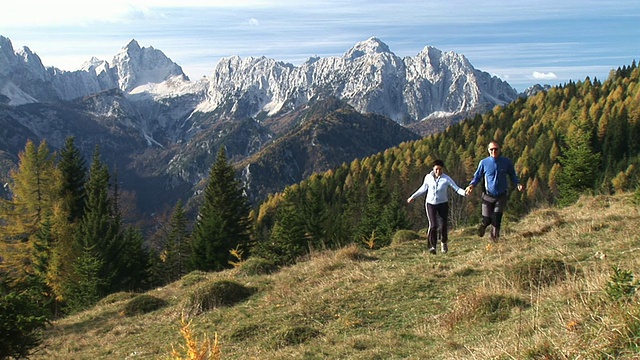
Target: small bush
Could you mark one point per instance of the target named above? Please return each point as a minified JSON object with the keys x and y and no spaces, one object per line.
{"x":246,"y":332}
{"x":483,"y":307}
{"x":636,"y":196}
{"x":294,"y":336}
{"x":219,"y":293}
{"x":495,"y":308}
{"x":625,"y":342}
{"x":543,"y":351}
{"x":536,"y":273}
{"x":621,"y":285}
{"x":403,"y":236}
{"x":116,"y":297}
{"x":467,"y":271}
{"x":193,"y":277}
{"x":352,"y":253}
{"x":257,"y":266}
{"x":143,"y":304}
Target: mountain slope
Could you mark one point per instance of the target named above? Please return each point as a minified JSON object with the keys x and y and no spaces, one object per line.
{"x":325,"y":139}
{"x":543,"y":292}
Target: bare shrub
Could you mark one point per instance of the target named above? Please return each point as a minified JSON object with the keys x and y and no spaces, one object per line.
{"x":195,"y":349}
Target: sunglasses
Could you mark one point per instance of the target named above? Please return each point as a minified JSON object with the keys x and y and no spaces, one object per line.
{"x":494,"y":149}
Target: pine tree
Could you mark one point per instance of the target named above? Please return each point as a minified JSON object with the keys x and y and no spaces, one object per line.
{"x":87,"y":285}
{"x":579,"y":167}
{"x":133,"y":264}
{"x":222,"y":224}
{"x":21,"y":319}
{"x":74,"y":172}
{"x":288,"y":240}
{"x":38,"y":273}
{"x":98,"y":234}
{"x":394,"y":216}
{"x":314,"y":215}
{"x":173,"y":247}
{"x":371,"y":224}
{"x":179,"y":240}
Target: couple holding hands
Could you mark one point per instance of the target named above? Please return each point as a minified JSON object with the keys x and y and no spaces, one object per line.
{"x":495,"y":169}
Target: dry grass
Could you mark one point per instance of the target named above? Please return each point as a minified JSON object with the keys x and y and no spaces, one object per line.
{"x":541,"y":293}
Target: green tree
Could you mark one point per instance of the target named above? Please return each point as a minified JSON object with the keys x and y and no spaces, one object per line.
{"x":372,"y":222}
{"x":98,"y":237}
{"x":314,"y":215}
{"x":174,"y":246}
{"x":579,"y":166}
{"x":170,"y":247}
{"x":74,"y":171}
{"x":223,"y":219}
{"x":288,"y":240}
{"x":39,"y":271}
{"x":133,"y":263}
{"x":394,"y":216}
{"x":86,"y":286}
{"x":21,"y":319}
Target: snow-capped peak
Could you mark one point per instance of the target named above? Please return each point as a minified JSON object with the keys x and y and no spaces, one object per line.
{"x":372,"y":45}
{"x":136,"y":66}
{"x":368,"y":76}
{"x":96,"y":65}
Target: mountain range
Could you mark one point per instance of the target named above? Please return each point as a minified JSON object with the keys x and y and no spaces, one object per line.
{"x":279,"y":123}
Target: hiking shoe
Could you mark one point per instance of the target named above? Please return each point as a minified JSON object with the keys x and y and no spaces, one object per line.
{"x":432,"y":250}
{"x":481,"y":230}
{"x":445,"y":248}
{"x":494,"y":234}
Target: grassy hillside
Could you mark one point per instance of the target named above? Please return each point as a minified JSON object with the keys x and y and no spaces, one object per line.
{"x":548,"y":290}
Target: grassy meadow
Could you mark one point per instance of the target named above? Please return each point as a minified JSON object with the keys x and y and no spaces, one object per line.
{"x":559,"y":285}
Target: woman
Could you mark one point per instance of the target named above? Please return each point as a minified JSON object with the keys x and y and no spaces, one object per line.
{"x":437,"y":204}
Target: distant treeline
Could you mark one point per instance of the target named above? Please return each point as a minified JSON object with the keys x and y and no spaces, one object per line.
{"x":577,"y":138}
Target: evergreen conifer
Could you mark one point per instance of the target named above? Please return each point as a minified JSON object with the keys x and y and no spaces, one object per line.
{"x":222,"y":223}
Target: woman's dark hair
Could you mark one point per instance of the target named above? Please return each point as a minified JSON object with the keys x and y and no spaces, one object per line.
{"x":438,"y":163}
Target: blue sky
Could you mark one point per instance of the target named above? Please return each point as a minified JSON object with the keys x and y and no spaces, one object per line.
{"x":522,"y":42}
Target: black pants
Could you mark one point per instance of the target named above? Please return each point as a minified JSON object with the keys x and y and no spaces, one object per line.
{"x":492,"y":209}
{"x":438,"y":218}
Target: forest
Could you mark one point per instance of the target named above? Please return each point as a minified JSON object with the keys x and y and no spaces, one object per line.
{"x":66,"y":241}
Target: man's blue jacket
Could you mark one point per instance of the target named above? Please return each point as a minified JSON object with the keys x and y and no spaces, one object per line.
{"x":495,"y":172}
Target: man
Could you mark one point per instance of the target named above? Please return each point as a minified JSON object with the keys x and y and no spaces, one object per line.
{"x":494,"y":169}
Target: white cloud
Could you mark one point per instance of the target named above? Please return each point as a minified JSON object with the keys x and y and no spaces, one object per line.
{"x":543,"y":76}
{"x":254,"y":22}
{"x":32,"y":13}
{"x":38,"y":13}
